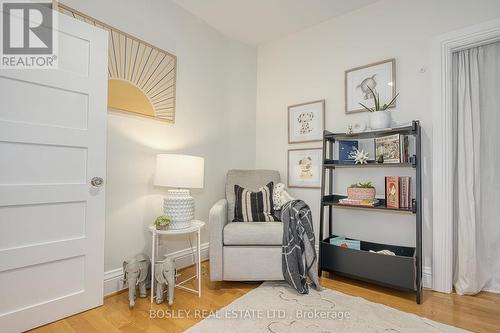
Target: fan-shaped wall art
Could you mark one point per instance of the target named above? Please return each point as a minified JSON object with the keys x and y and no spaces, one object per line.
{"x":142,"y":77}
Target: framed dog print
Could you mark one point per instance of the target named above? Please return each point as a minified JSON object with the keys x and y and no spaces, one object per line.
{"x":379,"y":77}
{"x":306,"y":122}
{"x":304,"y":167}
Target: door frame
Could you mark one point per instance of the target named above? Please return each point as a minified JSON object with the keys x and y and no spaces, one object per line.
{"x":442,"y":166}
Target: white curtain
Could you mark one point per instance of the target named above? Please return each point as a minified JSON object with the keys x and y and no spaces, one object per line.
{"x":476,"y":97}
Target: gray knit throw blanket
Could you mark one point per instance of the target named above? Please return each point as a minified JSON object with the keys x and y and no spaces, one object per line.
{"x":299,"y":260}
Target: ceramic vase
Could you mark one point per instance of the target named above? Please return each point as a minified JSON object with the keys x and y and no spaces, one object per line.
{"x":380,"y":119}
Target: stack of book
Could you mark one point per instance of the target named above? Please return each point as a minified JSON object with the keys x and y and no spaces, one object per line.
{"x":394,"y":148}
{"x":398,"y":192}
{"x":354,"y":202}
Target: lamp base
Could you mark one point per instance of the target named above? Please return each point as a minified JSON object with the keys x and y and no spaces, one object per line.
{"x":179,"y":206}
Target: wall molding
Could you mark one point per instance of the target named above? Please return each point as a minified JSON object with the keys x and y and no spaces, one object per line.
{"x":442,"y":157}
{"x":183,"y":258}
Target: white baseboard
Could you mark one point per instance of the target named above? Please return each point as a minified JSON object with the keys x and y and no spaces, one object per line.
{"x":427,"y":277}
{"x":113,"y":281}
{"x":183,"y":258}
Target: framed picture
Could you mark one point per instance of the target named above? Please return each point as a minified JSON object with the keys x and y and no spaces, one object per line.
{"x":304,"y":167}
{"x":380,"y":77}
{"x":306,"y":122}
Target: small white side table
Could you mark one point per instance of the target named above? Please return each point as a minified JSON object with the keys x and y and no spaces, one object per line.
{"x":195,"y":227}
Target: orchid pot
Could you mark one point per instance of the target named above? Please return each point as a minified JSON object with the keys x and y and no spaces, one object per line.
{"x":379,"y":114}
{"x":380,"y":119}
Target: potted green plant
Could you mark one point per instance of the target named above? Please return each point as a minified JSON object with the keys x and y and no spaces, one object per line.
{"x":361,"y":191}
{"x":379,"y":114}
{"x":162,"y":222}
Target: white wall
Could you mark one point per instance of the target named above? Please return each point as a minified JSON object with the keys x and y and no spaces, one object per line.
{"x":216,"y":89}
{"x":216,"y":100}
{"x":310,"y":65}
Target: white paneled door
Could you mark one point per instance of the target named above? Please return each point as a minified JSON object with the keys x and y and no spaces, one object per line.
{"x":52,"y":144}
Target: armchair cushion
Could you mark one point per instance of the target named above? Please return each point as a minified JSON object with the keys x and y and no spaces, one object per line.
{"x":253,"y":233}
{"x":254,"y":206}
{"x":249,"y":179}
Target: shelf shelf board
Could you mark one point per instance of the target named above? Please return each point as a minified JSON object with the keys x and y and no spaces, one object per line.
{"x":333,"y":200}
{"x":406,"y":130}
{"x":371,"y":164}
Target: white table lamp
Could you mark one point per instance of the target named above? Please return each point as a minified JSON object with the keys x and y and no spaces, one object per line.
{"x":182,"y":172}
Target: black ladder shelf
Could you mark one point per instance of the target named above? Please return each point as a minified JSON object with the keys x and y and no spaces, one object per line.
{"x":402,"y":271}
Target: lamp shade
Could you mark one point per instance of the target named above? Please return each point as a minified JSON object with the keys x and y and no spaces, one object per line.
{"x":181,"y":171}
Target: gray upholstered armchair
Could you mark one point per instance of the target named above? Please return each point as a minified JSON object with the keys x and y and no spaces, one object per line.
{"x":244,"y":251}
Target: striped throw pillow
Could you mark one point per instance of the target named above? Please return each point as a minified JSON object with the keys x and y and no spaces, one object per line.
{"x":254,"y":206}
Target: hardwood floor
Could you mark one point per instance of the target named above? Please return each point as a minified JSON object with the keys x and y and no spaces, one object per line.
{"x":479,"y":313}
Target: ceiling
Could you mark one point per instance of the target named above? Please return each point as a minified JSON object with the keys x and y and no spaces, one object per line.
{"x":260,"y":21}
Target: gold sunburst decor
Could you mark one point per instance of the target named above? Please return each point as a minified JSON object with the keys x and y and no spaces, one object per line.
{"x":142,"y":77}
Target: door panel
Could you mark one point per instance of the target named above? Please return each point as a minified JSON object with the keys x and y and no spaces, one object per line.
{"x":61,"y":108}
{"x":52,"y":142}
{"x":72,"y":269}
{"x":73,"y":57}
{"x":29,"y":163}
{"x":47,"y":222}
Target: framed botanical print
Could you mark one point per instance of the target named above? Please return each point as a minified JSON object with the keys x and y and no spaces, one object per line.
{"x":380,"y":77}
{"x":306,"y":122}
{"x":304,"y":167}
